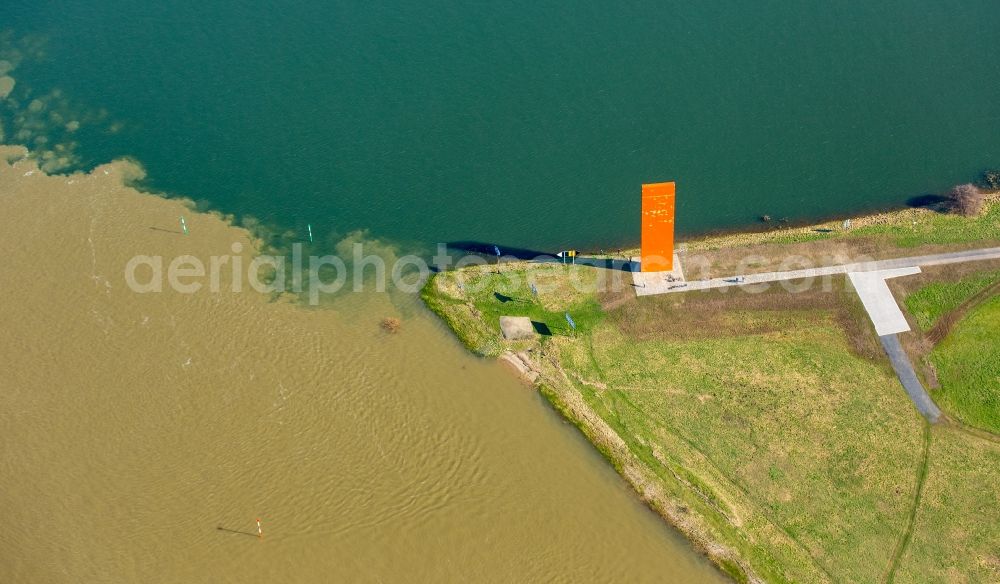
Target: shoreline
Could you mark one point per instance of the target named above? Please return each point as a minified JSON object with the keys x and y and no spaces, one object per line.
{"x":615,"y":451}
{"x":539,"y":368}
{"x":546,"y":374}
{"x":808,"y":230}
{"x":217,"y":388}
{"x":764,"y":230}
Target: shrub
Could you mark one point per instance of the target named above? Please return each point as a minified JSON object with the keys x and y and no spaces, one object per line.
{"x":991,"y":179}
{"x":966,"y":199}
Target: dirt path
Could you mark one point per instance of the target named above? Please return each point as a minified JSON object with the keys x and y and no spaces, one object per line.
{"x":904,"y":541}
{"x":977,"y":433}
{"x":935,"y":335}
{"x":943,"y":326}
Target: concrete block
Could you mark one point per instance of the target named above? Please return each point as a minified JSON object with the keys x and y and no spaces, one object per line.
{"x":516,"y":327}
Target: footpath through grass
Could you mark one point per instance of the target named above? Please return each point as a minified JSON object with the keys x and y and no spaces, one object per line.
{"x":785,"y":435}
{"x":933,"y":301}
{"x":956,"y":536}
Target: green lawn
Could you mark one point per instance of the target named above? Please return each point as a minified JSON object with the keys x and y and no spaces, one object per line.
{"x":763,"y":423}
{"x":968,"y":368}
{"x":768,"y":426}
{"x":473,"y":301}
{"x":931,"y":302}
{"x":809,"y":448}
{"x":956,"y":536}
{"x":938,"y":228}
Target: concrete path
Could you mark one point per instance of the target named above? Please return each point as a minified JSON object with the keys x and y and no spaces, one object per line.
{"x":868,"y":279}
{"x":649,"y":283}
{"x":908,"y":377}
{"x":878,"y":299}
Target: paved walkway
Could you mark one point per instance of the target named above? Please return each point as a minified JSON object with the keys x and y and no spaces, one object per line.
{"x":878,"y":299}
{"x":649,"y":283}
{"x":868,"y":279}
{"x":908,"y":377}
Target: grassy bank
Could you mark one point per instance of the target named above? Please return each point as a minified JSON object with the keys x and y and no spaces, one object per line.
{"x":968,"y":368}
{"x":933,"y":301}
{"x":767,"y":427}
{"x":903,"y":228}
{"x":901,"y":233}
{"x":955,"y":344}
{"x":955,"y":538}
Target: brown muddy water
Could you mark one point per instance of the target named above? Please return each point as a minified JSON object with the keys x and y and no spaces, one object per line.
{"x":142,"y":434}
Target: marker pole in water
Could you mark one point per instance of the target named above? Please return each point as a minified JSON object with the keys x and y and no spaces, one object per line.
{"x":260,"y":532}
{"x":310,"y":227}
{"x":184,"y":226}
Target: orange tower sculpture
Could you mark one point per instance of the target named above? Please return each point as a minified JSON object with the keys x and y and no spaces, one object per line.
{"x":657,"y":253}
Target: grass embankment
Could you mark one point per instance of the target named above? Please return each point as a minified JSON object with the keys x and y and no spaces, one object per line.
{"x":764,"y":431}
{"x":933,"y":301}
{"x":968,"y":368}
{"x":955,"y":536}
{"x":475,"y":296}
{"x":904,"y":228}
{"x":767,"y":427}
{"x":958,"y":316}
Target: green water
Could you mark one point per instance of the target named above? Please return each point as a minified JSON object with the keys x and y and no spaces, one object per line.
{"x":525,"y":123}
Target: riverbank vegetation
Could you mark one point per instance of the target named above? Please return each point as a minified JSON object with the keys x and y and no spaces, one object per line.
{"x":767,"y":427}
{"x":967,"y":199}
{"x":901,"y":233}
{"x":904,"y":228}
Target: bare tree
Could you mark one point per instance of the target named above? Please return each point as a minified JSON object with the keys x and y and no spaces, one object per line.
{"x":966,"y":199}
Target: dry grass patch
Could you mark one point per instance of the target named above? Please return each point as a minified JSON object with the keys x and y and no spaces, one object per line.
{"x":734,"y":312}
{"x":905,"y":228}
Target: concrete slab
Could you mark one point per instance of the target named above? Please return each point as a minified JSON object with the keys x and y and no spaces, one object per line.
{"x":879,"y":301}
{"x":657,"y":280}
{"x":649,"y":283}
{"x":648,"y":286}
{"x":516,"y":327}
